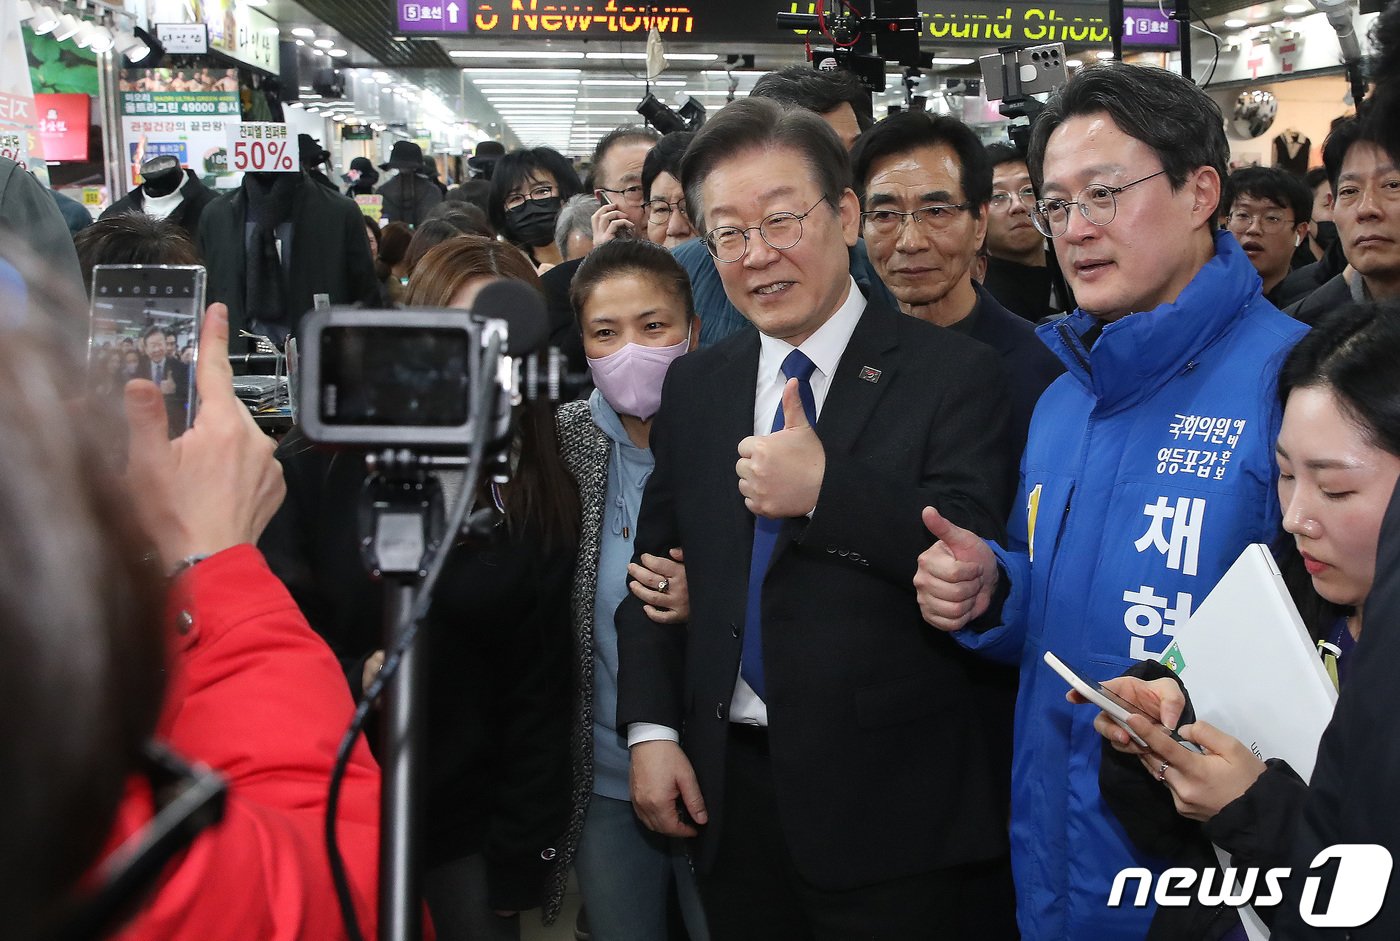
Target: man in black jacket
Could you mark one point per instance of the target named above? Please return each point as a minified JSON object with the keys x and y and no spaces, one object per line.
{"x":831,"y":753}
{"x":275,"y":245}
{"x":925,"y":183}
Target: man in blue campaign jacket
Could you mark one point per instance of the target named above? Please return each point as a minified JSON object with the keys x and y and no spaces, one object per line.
{"x":1150,"y":464}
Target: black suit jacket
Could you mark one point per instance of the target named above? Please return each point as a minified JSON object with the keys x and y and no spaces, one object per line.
{"x":1030,"y":365}
{"x":880,"y":756}
{"x":177,"y":403}
{"x":1352,"y":794}
{"x":330,"y":255}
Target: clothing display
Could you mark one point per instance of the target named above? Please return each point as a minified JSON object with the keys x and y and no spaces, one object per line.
{"x":170,"y":192}
{"x":1150,"y":469}
{"x":271,"y":247}
{"x":1292,"y":151}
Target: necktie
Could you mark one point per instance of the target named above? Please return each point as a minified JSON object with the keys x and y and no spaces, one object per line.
{"x":765,"y":535}
{"x":159,"y":370}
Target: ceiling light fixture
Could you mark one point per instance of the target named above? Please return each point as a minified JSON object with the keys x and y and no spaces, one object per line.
{"x":324,"y":43}
{"x":1235,"y":24}
{"x":1297,"y":8}
{"x":101,"y":40}
{"x":43,"y":20}
{"x":67,"y":28}
{"x":338,"y":53}
{"x":304,"y":32}
{"x":512,"y":54}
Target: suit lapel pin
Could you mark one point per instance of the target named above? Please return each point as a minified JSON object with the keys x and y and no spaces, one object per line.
{"x":870,"y":374}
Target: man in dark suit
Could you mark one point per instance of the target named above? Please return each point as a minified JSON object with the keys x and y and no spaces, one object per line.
{"x":167,"y":372}
{"x":276,"y":244}
{"x":925,"y":183}
{"x":830,"y":752}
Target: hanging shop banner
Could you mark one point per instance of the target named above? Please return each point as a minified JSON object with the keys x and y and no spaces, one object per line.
{"x":260,"y":147}
{"x":19,"y":137}
{"x":985,"y":22}
{"x":64,"y":122}
{"x":185,"y":113}
{"x":184,"y":39}
{"x":372,"y":206}
{"x":242,"y":33}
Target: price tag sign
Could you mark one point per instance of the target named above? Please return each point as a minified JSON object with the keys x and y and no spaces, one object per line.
{"x":15,"y":146}
{"x":260,"y":147}
{"x":92,"y":196}
{"x":372,"y":206}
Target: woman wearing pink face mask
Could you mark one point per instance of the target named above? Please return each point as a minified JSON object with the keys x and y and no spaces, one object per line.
{"x":634,"y":309}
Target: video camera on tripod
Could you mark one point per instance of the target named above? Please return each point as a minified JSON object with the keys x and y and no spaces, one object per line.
{"x":419,"y":392}
{"x":894,"y":24}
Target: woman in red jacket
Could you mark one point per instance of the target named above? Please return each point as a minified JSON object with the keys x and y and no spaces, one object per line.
{"x":238,"y":682}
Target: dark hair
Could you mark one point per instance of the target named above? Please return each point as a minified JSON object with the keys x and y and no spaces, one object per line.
{"x":1354,"y":351}
{"x":999,"y":153}
{"x":665,"y":157}
{"x":1165,"y":111}
{"x":133,"y":238}
{"x":470,"y":218}
{"x":1273,"y":184}
{"x":372,"y":227}
{"x":541,"y":495}
{"x":630,"y":256}
{"x":1315,"y":176}
{"x":801,"y":86}
{"x":758,"y":123}
{"x":619,"y":135}
{"x":151,"y":330}
{"x":520,"y":165}
{"x":1369,"y":126}
{"x":81,"y":615}
{"x":903,"y":132}
{"x":426,"y":237}
{"x":475,"y":192}
{"x":393,"y":243}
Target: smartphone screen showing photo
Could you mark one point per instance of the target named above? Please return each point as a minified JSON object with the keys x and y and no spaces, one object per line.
{"x":145,"y":323}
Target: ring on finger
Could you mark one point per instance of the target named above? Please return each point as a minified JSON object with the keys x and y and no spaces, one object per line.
{"x":1162,"y":771}
{"x":662,"y":585}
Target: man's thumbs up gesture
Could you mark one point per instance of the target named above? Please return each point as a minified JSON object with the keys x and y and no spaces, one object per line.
{"x":780,"y":475}
{"x":957,"y":575}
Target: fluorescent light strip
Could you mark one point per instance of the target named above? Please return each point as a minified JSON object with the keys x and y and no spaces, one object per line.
{"x":609,"y":101}
{"x":511,"y":54}
{"x":585,"y":114}
{"x":629,"y":83}
{"x":513,"y":82}
{"x":670,"y":56}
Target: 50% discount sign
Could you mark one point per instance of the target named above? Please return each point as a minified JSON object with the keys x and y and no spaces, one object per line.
{"x":260,"y":147}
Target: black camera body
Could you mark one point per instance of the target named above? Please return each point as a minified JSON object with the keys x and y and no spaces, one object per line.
{"x":404,"y":379}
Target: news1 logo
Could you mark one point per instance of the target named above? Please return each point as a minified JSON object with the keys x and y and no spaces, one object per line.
{"x":1358,"y":888}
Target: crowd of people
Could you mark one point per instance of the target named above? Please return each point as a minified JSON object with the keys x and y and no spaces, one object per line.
{"x":750,"y":642}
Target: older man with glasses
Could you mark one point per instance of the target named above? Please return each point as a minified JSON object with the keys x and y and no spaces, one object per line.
{"x":1150,"y":466}
{"x":828,"y":752}
{"x":925,"y":183}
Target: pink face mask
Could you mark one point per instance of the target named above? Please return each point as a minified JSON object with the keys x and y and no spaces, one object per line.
{"x":630,"y":378}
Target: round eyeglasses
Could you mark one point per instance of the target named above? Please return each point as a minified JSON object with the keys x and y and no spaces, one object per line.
{"x":1269,"y":222}
{"x":659,"y":210}
{"x":934,"y":218}
{"x":781,"y":231}
{"x":1002,"y":201}
{"x":1097,"y":202}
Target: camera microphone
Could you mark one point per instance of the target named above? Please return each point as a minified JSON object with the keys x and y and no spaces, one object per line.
{"x":522,"y":309}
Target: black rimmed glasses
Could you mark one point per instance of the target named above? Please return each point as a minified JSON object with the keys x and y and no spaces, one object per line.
{"x":934,"y":218}
{"x":781,"y":231}
{"x":1097,"y":202}
{"x":631,"y":195}
{"x":659,"y":210}
{"x":536,"y":193}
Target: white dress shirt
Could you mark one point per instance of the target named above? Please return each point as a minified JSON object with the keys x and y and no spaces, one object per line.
{"x":824,"y":348}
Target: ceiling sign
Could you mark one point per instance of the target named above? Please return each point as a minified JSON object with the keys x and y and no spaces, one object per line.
{"x":1150,"y":28}
{"x":433,"y":17}
{"x":988,"y":23}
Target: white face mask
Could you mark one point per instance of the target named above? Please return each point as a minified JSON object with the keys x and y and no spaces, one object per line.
{"x":630,"y":378}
